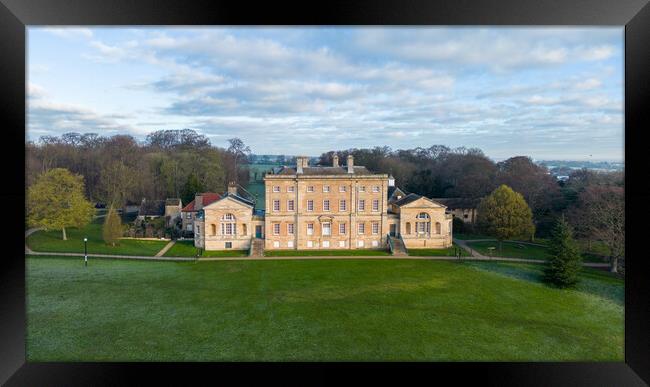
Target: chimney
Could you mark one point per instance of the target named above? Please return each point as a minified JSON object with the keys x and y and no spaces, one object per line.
{"x":301,"y":162}
{"x":198,"y":201}
{"x":350,"y":164}
{"x":232,"y":188}
{"x":335,"y":161}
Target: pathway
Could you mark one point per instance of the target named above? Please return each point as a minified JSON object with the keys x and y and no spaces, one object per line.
{"x":463,"y":243}
{"x":165,"y":249}
{"x":476,"y":256}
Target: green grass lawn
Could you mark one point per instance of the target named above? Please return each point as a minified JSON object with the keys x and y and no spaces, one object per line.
{"x":186,"y":249}
{"x":321,"y":253}
{"x":257,"y":190}
{"x":50,"y":241}
{"x":471,"y":236}
{"x":518,"y":250}
{"x":448,"y":252}
{"x":117,"y":310}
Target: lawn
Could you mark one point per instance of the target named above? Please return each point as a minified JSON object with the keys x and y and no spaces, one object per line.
{"x":448,"y":252}
{"x":322,"y":253}
{"x":117,"y":310}
{"x":257,"y":190}
{"x":50,"y":241}
{"x":186,"y":249}
{"x":520,"y":250}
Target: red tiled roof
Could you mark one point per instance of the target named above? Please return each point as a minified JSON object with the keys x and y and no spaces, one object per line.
{"x":208,"y":198}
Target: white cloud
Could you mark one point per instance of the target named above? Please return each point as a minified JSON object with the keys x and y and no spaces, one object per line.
{"x":70,"y":32}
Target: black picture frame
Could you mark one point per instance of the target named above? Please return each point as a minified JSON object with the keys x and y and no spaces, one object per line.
{"x":16,"y":15}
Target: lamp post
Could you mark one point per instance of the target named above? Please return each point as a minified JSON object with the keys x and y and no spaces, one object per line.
{"x":85,"y":251}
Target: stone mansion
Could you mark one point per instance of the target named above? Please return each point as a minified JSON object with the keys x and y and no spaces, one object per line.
{"x":322,"y":207}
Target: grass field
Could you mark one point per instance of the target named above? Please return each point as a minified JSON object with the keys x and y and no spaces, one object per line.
{"x":50,"y":241}
{"x":448,"y":252}
{"x":257,"y":190}
{"x":187,"y":249}
{"x":116,"y":310}
{"x":312,"y":253}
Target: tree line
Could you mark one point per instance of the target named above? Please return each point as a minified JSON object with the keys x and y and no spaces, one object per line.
{"x":119,"y":169}
{"x":443,"y":172}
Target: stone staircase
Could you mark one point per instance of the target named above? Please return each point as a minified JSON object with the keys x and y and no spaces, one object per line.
{"x":399,"y":250}
{"x":257,"y":248}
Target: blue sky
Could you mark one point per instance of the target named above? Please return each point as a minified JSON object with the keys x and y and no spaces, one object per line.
{"x":548,"y":93}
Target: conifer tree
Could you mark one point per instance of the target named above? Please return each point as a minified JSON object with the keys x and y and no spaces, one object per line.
{"x":112,"y":230}
{"x":565,"y":262}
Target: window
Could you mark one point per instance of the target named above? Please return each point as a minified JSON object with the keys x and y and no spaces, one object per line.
{"x":198,"y":229}
{"x":342,"y":205}
{"x":326,"y":205}
{"x":189,"y":227}
{"x":375,"y":243}
{"x":438,"y":228}
{"x":375,"y":204}
{"x":326,"y":188}
{"x":425,"y":225}
{"x":290,"y":244}
{"x":342,"y":188}
{"x":421,"y":227}
{"x":290,"y":205}
{"x":362,"y":205}
{"x":327,"y":228}
{"x":310,"y":229}
{"x":310,"y":205}
{"x":290,"y":188}
{"x":375,"y":228}
{"x":341,"y":243}
{"x":342,"y":228}
{"x":290,"y":228}
{"x":362,"y":228}
{"x":362,"y":188}
{"x":465,"y":216}
{"x":227,"y":225}
{"x":310,"y":244}
{"x":310,"y":188}
{"x":359,"y":243}
{"x":276,"y":243}
{"x":276,"y":188}
{"x":276,"y":205}
{"x":188,"y":215}
{"x":276,"y":228}
{"x":326,"y":243}
{"x":375,"y":188}
{"x":229,"y":245}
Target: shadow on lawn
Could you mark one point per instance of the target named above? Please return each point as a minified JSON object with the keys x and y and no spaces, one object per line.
{"x":592,"y":281}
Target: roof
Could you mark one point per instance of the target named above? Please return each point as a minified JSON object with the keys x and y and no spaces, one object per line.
{"x":208,"y":198}
{"x":173,"y":202}
{"x":410,"y":198}
{"x":239,"y":199}
{"x":152,"y":208}
{"x":453,"y":203}
{"x":391,"y":191}
{"x":311,"y":171}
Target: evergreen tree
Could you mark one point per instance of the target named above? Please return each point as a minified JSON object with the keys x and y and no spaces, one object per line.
{"x":112,"y":230}
{"x":565,"y":262}
{"x":191,"y":188}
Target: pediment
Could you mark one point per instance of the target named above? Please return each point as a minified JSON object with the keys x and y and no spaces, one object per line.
{"x":227,"y":203}
{"x":423,"y":203}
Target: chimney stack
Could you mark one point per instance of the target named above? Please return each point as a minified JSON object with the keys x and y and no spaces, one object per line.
{"x":232,"y":188}
{"x":198,"y":201}
{"x":350,"y":164}
{"x":335,"y":161}
{"x":301,"y":162}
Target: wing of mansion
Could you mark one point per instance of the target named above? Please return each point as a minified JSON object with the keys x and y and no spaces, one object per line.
{"x":319,"y":207}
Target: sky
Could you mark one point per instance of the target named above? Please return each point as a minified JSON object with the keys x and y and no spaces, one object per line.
{"x":548,"y":93}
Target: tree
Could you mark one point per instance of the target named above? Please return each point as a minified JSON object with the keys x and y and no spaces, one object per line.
{"x":604,"y":208}
{"x":505,"y":214}
{"x":56,"y":200}
{"x":239,"y":151}
{"x":565,"y":262}
{"x":191,"y":188}
{"x":112,"y":229}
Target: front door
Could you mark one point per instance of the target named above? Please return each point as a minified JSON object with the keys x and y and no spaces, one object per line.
{"x":393,"y":230}
{"x":258,"y":231}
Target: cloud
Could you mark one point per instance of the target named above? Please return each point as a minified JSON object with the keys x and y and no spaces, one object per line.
{"x":69,"y":32}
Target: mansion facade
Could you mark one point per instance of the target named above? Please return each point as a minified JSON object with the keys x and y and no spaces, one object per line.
{"x":323,"y":207}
